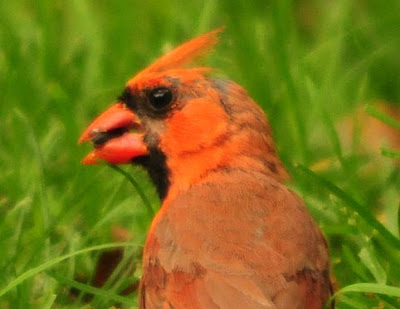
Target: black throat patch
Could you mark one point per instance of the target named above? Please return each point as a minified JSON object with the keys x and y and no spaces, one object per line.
{"x":156,"y":166}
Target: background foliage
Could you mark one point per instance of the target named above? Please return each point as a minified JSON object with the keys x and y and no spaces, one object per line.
{"x":313,"y":65}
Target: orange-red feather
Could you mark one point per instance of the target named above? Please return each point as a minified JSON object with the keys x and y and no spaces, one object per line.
{"x":178,"y":59}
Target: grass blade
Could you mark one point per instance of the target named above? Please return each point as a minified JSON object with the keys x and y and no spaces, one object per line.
{"x":390,"y":153}
{"x":34,"y":271}
{"x":138,"y":189}
{"x":375,"y":112}
{"x":367,"y":288}
{"x":104,"y":294}
{"x":354,"y":205}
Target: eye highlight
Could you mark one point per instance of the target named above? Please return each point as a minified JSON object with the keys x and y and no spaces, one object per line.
{"x":160,"y":97}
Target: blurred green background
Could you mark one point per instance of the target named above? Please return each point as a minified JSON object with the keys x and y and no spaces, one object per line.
{"x":313,"y":65}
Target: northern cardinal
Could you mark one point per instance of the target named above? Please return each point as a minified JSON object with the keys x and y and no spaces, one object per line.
{"x":228,"y":234}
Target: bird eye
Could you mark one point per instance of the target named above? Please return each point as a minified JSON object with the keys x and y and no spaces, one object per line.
{"x":160,"y":97}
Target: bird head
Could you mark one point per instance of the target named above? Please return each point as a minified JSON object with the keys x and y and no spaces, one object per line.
{"x":181,"y":124}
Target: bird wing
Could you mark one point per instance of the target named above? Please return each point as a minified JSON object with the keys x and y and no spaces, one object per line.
{"x":235,"y":244}
{"x":212,"y":290}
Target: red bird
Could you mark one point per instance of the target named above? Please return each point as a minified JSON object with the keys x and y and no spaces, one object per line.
{"x":229,"y":234}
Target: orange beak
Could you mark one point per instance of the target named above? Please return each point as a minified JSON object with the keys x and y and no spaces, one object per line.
{"x":112,"y":139}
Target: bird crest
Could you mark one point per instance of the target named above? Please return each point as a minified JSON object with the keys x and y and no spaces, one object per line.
{"x":181,"y":57}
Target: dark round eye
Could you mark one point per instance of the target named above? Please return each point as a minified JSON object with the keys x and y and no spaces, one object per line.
{"x":160,"y":97}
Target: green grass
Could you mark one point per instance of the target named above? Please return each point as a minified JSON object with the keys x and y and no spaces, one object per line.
{"x":307,"y":63}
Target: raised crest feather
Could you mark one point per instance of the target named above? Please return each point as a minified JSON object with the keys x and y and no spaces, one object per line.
{"x":183,"y":54}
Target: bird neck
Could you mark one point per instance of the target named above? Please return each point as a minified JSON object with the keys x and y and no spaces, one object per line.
{"x":190,"y":169}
